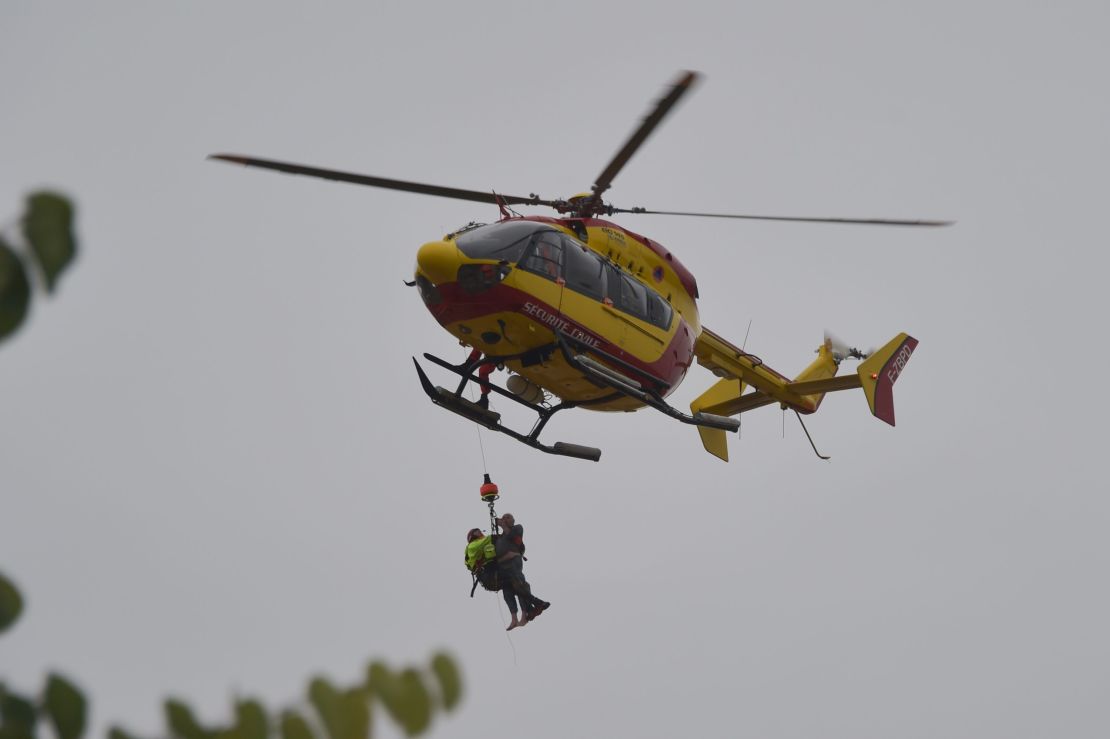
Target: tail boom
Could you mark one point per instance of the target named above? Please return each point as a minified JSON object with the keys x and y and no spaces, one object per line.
{"x":739,"y":370}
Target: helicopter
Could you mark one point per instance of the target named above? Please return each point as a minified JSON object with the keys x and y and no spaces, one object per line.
{"x":585,"y":313}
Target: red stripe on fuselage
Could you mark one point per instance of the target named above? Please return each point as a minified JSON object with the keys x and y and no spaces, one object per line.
{"x":457,"y":306}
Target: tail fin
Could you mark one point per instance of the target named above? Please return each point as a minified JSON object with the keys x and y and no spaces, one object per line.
{"x":879,"y":372}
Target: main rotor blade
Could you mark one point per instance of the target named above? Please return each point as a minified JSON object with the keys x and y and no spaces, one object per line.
{"x":360,"y":179}
{"x":605,"y":179}
{"x":866,"y":221}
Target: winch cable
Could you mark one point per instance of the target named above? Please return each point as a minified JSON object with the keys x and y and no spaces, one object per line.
{"x":481,"y":445}
{"x":481,"y":448}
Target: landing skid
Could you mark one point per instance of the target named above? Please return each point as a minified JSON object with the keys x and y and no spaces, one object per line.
{"x":578,"y":356}
{"x":456,"y":403}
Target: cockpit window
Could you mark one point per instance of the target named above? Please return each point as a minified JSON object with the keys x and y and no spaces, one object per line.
{"x":540,"y":249}
{"x":500,"y":241}
{"x":544,"y":255}
{"x":585,"y":271}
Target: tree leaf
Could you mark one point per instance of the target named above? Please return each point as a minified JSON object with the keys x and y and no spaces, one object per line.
{"x":182,"y":723}
{"x":345,"y":715}
{"x":48,"y":227}
{"x":325,"y":699}
{"x":17,"y":716}
{"x":450,"y":680}
{"x":251,"y":721}
{"x":66,"y":706}
{"x":356,"y":713}
{"x":382,"y":684}
{"x":116,"y":732}
{"x":403,"y":695}
{"x":416,"y":703}
{"x":15,"y":294}
{"x":294,"y":726}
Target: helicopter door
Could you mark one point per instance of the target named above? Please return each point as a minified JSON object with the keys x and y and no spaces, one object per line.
{"x":544,"y":258}
{"x":585,"y":274}
{"x":584,"y":271}
{"x":628,"y":306}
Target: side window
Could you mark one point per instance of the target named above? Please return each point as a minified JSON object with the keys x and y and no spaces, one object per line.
{"x":544,"y":255}
{"x":585,"y":271}
{"x":627,"y":294}
{"x":659,"y":310}
{"x":633,"y":297}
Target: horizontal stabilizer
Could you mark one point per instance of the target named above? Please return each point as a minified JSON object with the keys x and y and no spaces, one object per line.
{"x":825,"y":385}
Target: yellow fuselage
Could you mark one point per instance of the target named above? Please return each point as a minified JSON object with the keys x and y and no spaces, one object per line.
{"x":508,"y":288}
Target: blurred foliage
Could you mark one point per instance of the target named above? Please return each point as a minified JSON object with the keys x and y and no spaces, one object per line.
{"x":48,"y":228}
{"x":411,"y":697}
{"x":15,"y":290}
{"x":11,"y":603}
{"x":66,"y":707}
{"x":48,"y":246}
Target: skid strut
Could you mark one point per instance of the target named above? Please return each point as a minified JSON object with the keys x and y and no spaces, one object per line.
{"x":456,"y":403}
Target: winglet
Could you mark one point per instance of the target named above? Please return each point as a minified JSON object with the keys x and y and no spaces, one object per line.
{"x":881,"y":370}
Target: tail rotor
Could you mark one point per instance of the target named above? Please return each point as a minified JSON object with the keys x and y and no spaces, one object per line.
{"x":841,"y":350}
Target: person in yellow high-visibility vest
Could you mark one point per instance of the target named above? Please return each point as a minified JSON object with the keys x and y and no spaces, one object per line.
{"x":479,"y":549}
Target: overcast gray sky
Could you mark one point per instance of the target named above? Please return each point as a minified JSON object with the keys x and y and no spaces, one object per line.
{"x":218,"y":474}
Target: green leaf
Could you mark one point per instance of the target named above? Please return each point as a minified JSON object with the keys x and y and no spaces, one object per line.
{"x":404,"y":696}
{"x":48,"y":227}
{"x":416,"y":705}
{"x":182,"y":723}
{"x":116,"y":732}
{"x":66,"y":706}
{"x":345,"y":715}
{"x":251,"y":721}
{"x":325,"y":699}
{"x":450,"y":680}
{"x":17,"y":716}
{"x":15,"y":294}
{"x":294,"y":726}
{"x":356,"y":713}
{"x":382,"y":684}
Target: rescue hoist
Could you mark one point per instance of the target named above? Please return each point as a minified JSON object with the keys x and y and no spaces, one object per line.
{"x":486,"y":575}
{"x":490,"y":494}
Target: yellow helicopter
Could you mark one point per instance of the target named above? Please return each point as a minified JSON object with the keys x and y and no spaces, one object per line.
{"x":584,"y":313}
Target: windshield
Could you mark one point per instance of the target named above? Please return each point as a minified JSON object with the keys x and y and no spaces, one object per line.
{"x":501,"y":241}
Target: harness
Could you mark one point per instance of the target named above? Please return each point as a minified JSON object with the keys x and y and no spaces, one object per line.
{"x":487,"y":576}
